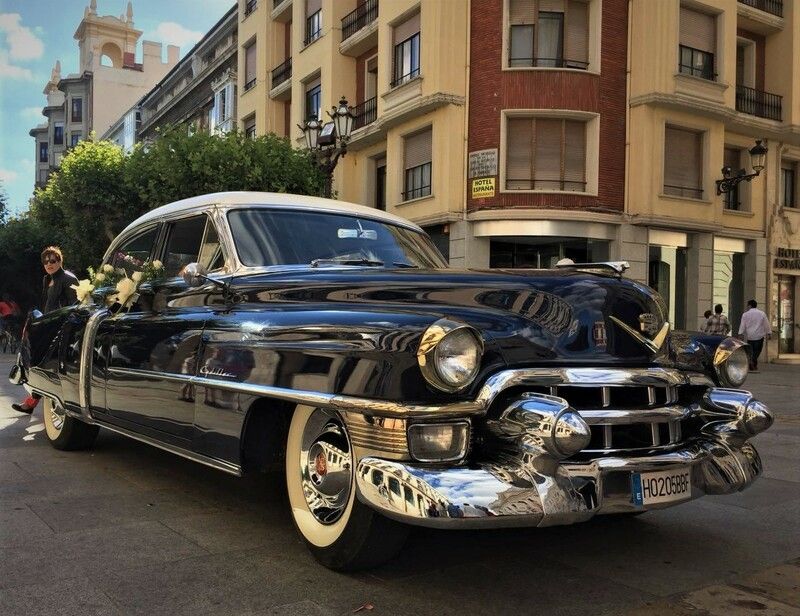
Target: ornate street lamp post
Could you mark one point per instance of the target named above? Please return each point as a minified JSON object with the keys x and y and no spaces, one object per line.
{"x":729,"y":181}
{"x":328,"y":142}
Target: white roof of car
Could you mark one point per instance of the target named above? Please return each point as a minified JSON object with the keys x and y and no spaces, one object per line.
{"x":267,"y":199}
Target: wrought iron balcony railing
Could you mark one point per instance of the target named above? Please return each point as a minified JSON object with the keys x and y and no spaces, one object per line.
{"x":758,"y":103}
{"x":774,"y":7}
{"x":516,"y":61}
{"x":282,"y":72}
{"x":696,"y":62}
{"x":365,"y":13}
{"x":365,"y":113}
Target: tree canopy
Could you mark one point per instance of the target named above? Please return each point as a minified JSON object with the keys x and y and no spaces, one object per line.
{"x":99,"y":188}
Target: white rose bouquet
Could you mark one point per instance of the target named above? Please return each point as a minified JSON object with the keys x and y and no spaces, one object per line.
{"x":107,"y":276}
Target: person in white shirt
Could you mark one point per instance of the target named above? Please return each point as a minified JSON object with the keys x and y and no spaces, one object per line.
{"x":754,"y":327}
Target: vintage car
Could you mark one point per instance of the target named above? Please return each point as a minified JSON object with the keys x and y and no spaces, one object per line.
{"x":334,"y":340}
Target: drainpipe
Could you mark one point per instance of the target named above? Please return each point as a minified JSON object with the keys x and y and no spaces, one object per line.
{"x":465,"y":166}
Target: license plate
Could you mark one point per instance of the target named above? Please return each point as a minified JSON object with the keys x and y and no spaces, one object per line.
{"x":661,"y":486}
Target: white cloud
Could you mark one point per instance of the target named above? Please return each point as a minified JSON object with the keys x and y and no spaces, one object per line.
{"x":22,"y":43}
{"x":32,"y":113}
{"x":13,"y":72}
{"x":8,"y":176}
{"x":173,"y":33}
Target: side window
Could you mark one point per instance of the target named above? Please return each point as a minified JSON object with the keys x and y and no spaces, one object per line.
{"x":192,"y":240}
{"x":133,"y":253}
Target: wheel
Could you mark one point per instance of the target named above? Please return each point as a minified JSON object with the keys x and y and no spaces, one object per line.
{"x":65,"y":432}
{"x":340,"y":531}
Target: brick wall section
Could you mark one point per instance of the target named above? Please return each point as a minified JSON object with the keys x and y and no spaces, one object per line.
{"x":361,"y":67}
{"x":492,"y":90}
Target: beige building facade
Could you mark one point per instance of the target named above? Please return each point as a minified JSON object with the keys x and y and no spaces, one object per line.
{"x":402,"y":65}
{"x":108,"y":83}
{"x":707,"y":79}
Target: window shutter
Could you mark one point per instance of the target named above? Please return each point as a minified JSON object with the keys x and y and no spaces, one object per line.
{"x":551,"y":6}
{"x":577,"y":32}
{"x":521,"y":12}
{"x":682,"y":159}
{"x":698,"y":30}
{"x":418,"y":149}
{"x":312,"y":6}
{"x":519,"y":134}
{"x":407,"y":29}
{"x":250,"y":63}
{"x":732,"y":158}
{"x":574,"y":155}
{"x":547,"y":165}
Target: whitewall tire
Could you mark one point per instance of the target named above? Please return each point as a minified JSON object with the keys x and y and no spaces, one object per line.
{"x":65,"y":432}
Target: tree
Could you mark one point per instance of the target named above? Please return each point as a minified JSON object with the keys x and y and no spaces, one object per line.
{"x":99,"y":188}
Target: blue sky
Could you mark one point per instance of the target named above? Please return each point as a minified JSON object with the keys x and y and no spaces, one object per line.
{"x":36,"y":33}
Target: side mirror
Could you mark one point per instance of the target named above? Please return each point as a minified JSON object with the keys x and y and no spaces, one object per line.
{"x":194,"y":274}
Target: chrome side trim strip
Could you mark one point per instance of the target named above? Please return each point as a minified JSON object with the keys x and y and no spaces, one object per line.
{"x":87,"y":362}
{"x":220,"y":465}
{"x":611,"y":377}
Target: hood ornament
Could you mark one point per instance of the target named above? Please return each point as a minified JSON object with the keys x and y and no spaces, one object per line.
{"x":648,"y":323}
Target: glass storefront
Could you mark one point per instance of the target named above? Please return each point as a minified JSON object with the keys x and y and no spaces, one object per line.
{"x":667,"y":275}
{"x":728,"y":288}
{"x":783,"y":308}
{"x":545,"y":252}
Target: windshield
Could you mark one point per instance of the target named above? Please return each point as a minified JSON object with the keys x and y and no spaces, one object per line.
{"x":291,"y":237}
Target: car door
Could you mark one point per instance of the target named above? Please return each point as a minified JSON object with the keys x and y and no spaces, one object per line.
{"x":155,"y":344}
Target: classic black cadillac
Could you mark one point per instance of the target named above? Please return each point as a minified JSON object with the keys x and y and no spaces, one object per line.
{"x":333,"y":339}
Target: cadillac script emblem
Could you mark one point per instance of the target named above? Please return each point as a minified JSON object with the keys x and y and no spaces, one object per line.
{"x":648,"y":322}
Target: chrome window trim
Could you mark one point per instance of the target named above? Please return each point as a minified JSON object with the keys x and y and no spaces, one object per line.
{"x":611,"y":377}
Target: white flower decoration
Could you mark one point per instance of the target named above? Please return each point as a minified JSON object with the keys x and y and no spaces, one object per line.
{"x":100,"y":276}
{"x":125,"y":289}
{"x":136,"y":276}
{"x":83,"y":289}
{"x":108,"y":268}
{"x":158,"y":264}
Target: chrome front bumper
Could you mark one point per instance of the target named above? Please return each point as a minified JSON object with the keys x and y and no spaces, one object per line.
{"x":522,"y":487}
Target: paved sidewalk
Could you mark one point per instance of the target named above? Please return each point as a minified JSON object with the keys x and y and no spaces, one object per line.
{"x":129,"y":529}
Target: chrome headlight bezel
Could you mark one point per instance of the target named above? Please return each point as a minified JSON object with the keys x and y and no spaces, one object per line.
{"x":430,"y":362}
{"x":727,"y":360}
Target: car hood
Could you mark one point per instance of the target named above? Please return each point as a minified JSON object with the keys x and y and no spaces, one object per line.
{"x":528,"y":316}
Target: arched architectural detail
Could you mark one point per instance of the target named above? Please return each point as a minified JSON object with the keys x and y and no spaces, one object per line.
{"x":111,"y":55}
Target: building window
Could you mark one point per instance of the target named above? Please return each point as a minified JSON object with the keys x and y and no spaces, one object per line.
{"x":683,"y":163}
{"x":250,"y":127}
{"x":74,"y":138}
{"x":249,"y":66}
{"x":314,"y":100}
{"x":789,"y":184}
{"x":42,"y":151}
{"x":728,"y":285}
{"x":313,"y":20}
{"x":732,"y":200}
{"x":545,"y":252}
{"x":222,"y":113}
{"x":698,"y":43}
{"x":58,"y":133}
{"x":548,"y":33}
{"x":406,"y":51}
{"x":77,"y":110}
{"x":546,"y":154}
{"x":417,"y":165}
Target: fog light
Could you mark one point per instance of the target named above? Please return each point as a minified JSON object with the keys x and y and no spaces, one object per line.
{"x":438,"y":442}
{"x":755,"y":418}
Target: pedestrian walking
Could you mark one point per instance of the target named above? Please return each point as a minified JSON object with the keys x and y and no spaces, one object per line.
{"x":754,"y":327}
{"x":718,"y":323}
{"x":56,"y":293}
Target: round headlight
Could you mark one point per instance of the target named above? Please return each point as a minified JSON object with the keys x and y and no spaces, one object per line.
{"x":457,"y":358}
{"x":733,"y":371}
{"x":450,"y":354}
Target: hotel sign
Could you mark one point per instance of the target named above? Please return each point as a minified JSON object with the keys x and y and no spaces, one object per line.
{"x":786,"y":258}
{"x":483,"y":188}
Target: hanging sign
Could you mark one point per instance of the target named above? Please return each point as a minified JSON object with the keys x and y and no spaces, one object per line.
{"x":483,"y":187}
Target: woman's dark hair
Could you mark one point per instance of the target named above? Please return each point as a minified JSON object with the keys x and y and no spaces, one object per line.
{"x":52,"y":250}
{"x":707,"y":313}
{"x":752,"y":303}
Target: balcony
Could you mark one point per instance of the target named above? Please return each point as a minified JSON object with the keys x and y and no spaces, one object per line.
{"x":773,"y":7}
{"x":281,"y":73}
{"x":282,"y":10}
{"x":758,"y":103}
{"x":282,"y":81}
{"x":364,"y":14}
{"x":365,"y":113}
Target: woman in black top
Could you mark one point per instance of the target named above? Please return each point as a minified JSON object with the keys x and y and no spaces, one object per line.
{"x":56,"y":293}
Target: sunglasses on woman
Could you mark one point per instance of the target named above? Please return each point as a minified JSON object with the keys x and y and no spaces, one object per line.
{"x":51,"y":261}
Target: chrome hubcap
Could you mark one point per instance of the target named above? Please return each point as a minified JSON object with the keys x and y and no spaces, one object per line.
{"x":326,"y":463}
{"x":56,"y":416}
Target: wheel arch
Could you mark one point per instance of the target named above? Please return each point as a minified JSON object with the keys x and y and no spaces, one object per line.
{"x":264,"y":432}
